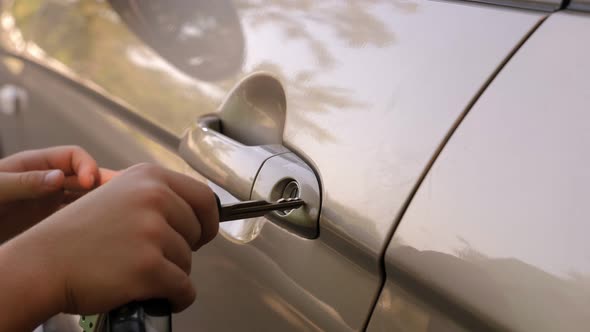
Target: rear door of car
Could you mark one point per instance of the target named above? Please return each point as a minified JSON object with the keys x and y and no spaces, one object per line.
{"x":496,"y":237}
{"x":368,"y":91}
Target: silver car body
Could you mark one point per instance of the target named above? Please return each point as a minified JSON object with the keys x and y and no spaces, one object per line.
{"x":464,"y":123}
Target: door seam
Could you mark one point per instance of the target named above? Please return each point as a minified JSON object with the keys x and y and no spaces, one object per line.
{"x":435,"y":156}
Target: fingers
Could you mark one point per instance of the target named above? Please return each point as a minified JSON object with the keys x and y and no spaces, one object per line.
{"x":73,"y":183}
{"x":105,"y":175}
{"x":176,"y":250}
{"x":18,"y":186}
{"x":201,"y":199}
{"x":172,"y":283}
{"x":182,"y":219}
{"x":73,"y":190}
{"x":196,"y":195}
{"x":69,"y":159}
{"x":83,"y":165}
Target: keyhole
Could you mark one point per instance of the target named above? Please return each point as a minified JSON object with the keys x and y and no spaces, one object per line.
{"x":290,"y":191}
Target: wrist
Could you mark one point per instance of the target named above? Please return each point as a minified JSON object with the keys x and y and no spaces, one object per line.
{"x":31,"y":289}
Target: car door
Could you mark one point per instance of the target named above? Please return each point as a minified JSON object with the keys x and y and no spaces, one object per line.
{"x":12,"y":101}
{"x":353,"y":98}
{"x":495,"y":239}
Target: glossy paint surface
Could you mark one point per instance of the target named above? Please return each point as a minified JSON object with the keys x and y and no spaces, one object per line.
{"x":497,"y":235}
{"x":399,"y":89}
{"x":371,"y":90}
{"x":582,"y":5}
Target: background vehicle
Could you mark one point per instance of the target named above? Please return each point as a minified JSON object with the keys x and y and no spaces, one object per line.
{"x":447,"y":143}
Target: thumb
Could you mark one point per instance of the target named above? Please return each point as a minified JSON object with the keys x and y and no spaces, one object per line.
{"x":26,"y":185}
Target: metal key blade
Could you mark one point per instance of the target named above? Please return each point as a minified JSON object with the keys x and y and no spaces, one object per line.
{"x":252,"y":209}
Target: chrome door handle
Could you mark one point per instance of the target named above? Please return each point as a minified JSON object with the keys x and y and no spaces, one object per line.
{"x":230,"y":164}
{"x":264,"y":170}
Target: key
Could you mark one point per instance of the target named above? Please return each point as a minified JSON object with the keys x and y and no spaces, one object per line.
{"x":252,"y":209}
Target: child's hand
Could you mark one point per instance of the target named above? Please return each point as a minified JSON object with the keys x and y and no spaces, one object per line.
{"x":34,"y":184}
{"x":131,"y":239}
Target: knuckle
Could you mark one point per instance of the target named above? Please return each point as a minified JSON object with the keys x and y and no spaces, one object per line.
{"x":152,"y":229}
{"x":153,"y":194}
{"x":211,"y":226}
{"x":30,"y":179}
{"x":209,"y":220}
{"x":209,"y":196}
{"x":25,"y":154}
{"x":195,"y":236}
{"x":75,"y":148}
{"x":206,"y":191}
{"x":149,"y":262}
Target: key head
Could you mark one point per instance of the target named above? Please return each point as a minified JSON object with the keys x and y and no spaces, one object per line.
{"x":143,"y":316}
{"x":91,"y":323}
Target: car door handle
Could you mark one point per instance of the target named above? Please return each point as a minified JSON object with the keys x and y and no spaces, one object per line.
{"x":264,"y":168}
{"x":228,"y":163}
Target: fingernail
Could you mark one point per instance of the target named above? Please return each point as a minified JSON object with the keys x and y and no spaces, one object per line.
{"x":52,"y":178}
{"x":91,"y":180}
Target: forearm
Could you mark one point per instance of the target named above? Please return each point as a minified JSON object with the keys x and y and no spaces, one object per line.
{"x":29,"y":295}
